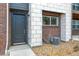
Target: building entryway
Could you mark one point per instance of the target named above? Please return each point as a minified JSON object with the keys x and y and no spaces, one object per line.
{"x":19,"y":28}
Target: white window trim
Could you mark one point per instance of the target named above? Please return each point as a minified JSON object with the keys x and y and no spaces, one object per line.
{"x":57,"y":21}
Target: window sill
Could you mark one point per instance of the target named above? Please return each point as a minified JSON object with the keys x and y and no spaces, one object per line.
{"x":75,"y":29}
{"x":50,"y":25}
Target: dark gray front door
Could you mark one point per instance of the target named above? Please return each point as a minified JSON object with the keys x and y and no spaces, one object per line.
{"x":18,"y":28}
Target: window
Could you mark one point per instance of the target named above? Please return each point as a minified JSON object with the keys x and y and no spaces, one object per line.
{"x":54,"y":21}
{"x":75,"y":6}
{"x":75,"y":24}
{"x":50,"y":20}
{"x":46,"y":20}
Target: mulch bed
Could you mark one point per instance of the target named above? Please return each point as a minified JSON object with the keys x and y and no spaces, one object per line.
{"x":70,"y":48}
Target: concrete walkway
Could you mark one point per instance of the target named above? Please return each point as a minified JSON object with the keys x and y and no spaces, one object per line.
{"x":20,"y":50}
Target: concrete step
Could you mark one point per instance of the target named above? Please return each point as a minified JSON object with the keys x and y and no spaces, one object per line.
{"x":20,"y":50}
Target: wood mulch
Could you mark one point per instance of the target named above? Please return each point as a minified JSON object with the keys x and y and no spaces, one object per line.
{"x":70,"y":48}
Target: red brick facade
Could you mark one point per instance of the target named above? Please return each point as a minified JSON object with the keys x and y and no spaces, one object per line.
{"x":50,"y":30}
{"x":75,"y":17}
{"x":3,"y":20}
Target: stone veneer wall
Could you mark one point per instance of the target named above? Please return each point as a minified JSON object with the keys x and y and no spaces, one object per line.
{"x":35,"y":20}
{"x":3,"y":20}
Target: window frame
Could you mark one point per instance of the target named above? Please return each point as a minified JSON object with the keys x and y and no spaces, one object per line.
{"x":43,"y":22}
{"x":57,"y":21}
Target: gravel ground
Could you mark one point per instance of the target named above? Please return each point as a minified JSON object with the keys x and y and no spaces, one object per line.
{"x":70,"y":48}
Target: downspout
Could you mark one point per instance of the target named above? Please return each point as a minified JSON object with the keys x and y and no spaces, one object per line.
{"x":6,"y":48}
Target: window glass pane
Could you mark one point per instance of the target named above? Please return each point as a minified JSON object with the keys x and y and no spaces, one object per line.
{"x":46,"y":20}
{"x":53,"y":21}
{"x":73,"y":22}
{"x":73,"y":7}
{"x":77,"y":26}
{"x":74,"y":26}
{"x":77,"y":22}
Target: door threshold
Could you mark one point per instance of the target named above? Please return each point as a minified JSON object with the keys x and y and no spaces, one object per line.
{"x":22,"y":43}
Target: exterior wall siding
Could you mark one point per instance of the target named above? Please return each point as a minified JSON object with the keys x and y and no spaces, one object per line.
{"x":36,"y":21}
{"x":3,"y":20}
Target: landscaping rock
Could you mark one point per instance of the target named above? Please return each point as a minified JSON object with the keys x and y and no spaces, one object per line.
{"x":64,"y":49}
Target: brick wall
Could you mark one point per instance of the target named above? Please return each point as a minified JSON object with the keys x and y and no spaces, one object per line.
{"x":75,"y":32}
{"x":75,"y":17}
{"x":3,"y":20}
{"x":50,"y":30}
{"x":50,"y":13}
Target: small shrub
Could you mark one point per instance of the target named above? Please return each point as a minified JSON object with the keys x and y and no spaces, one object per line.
{"x":76,"y":48}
